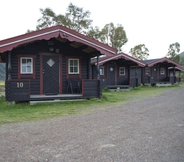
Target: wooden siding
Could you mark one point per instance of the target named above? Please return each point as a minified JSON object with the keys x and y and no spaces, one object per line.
{"x":124,"y":79}
{"x":18,"y":90}
{"x":91,"y":88}
{"x":133,"y":82}
{"x":113,"y":78}
{"x":155,"y":75}
{"x":35,"y":50}
{"x":146,"y":79}
{"x":173,"y":79}
{"x":133,"y":71}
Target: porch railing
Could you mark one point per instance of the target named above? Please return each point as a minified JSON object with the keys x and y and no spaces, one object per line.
{"x":91,"y":88}
{"x":17,"y":90}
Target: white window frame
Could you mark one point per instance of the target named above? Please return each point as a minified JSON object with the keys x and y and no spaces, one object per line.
{"x":69,"y":66}
{"x":147,"y":70}
{"x":162,"y":71}
{"x":121,"y":74}
{"x":101,"y":70}
{"x":26,"y":65}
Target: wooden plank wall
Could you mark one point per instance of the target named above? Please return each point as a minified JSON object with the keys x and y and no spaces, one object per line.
{"x":34,"y":49}
{"x":91,"y":88}
{"x":18,"y":90}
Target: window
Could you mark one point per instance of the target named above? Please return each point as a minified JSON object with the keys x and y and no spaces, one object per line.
{"x":73,"y":66}
{"x":147,"y":70}
{"x":26,"y":65}
{"x":101,"y":70}
{"x":121,"y":70}
{"x":162,"y":71}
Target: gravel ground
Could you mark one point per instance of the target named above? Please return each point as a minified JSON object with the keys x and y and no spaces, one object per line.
{"x":149,"y":130}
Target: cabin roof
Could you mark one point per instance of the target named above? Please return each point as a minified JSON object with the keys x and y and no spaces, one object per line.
{"x":63,"y":34}
{"x":94,"y":60}
{"x":152,"y":62}
{"x":149,"y":61}
{"x":176,"y":68}
{"x":103,"y":60}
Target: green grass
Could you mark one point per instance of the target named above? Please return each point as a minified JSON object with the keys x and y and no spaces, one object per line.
{"x":2,"y":83}
{"x":25,"y":112}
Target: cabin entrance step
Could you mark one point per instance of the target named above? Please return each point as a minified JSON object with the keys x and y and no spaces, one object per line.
{"x":118,"y":87}
{"x":163,"y":84}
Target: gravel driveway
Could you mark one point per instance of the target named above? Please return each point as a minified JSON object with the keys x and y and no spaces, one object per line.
{"x":149,"y":130}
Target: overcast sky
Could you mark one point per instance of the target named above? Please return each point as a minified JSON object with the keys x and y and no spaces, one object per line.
{"x":155,"y":23}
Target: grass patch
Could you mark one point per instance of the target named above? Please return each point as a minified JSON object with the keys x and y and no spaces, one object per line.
{"x":25,"y":112}
{"x":136,"y":94}
{"x":2,"y":83}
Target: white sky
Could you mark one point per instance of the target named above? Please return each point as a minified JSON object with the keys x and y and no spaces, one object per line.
{"x":155,"y":23}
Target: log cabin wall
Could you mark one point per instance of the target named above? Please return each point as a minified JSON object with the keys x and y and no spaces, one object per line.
{"x":136,"y":70}
{"x":124,"y":79}
{"x":35,"y":51}
{"x":118,"y":79}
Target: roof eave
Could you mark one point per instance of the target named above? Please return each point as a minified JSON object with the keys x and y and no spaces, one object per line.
{"x":164,"y":59}
{"x":56,"y":31}
{"x":123,"y":56}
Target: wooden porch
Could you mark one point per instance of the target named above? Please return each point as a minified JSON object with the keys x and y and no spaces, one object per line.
{"x":55,"y":97}
{"x":165,"y":81}
{"x":133,"y":82}
{"x":20,"y":90}
{"x":163,"y":84}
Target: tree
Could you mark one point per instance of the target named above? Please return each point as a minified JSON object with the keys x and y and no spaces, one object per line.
{"x":140,"y":52}
{"x":173,"y":52}
{"x":111,"y":35}
{"x":94,"y":32}
{"x":118,"y":38}
{"x":48,"y":19}
{"x":79,"y":20}
{"x":29,"y":31}
{"x":75,"y":18}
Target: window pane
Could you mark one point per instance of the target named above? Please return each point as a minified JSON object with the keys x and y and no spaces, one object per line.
{"x":26,"y":65}
{"x":162,"y":70}
{"x":122,"y":71}
{"x":75,"y":62}
{"x":147,"y":71}
{"x":71,"y":62}
{"x":75,"y":69}
{"x":28,"y":61}
{"x":29,"y":69}
{"x":73,"y":66}
{"x":71,"y":69}
{"x":24,"y":69}
{"x":101,"y":71}
{"x":23,"y":61}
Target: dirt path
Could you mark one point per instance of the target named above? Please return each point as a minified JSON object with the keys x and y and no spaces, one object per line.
{"x":150,"y":130}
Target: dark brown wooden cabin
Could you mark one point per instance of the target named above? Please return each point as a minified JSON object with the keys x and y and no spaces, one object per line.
{"x":119,"y":71}
{"x":175,"y":71}
{"x":158,"y":71}
{"x":51,"y":64}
